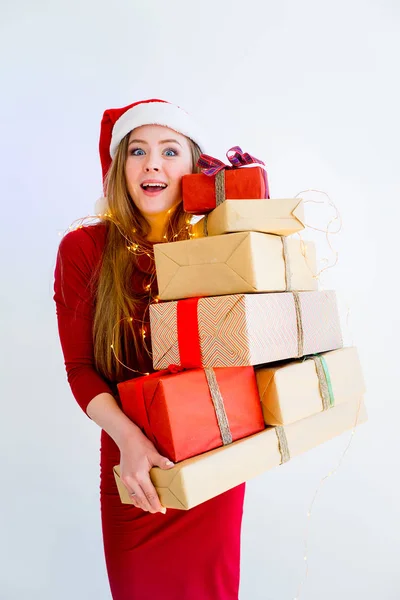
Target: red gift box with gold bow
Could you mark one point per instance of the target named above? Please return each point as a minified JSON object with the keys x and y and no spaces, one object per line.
{"x":242,"y":179}
{"x":191,"y":412}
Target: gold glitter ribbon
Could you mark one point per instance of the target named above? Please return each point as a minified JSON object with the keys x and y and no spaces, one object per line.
{"x":299,"y":323}
{"x":219,"y":407}
{"x":282,"y":443}
{"x":220,"y":187}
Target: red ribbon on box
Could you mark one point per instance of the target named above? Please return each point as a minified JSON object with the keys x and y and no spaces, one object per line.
{"x":188,"y":333}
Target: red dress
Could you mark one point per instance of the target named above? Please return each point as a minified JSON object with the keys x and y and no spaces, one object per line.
{"x":182,"y":555}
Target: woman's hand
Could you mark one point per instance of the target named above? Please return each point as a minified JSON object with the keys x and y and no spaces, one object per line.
{"x":138,"y":456}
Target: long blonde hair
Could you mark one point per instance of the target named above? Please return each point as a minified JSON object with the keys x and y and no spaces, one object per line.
{"x":113,"y":329}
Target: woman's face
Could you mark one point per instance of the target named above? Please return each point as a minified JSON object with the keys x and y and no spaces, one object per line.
{"x":157,"y":159}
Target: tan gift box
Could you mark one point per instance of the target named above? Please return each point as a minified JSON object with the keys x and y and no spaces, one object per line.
{"x":297,"y":389}
{"x":237,"y":263}
{"x":246,"y":329}
{"x":200,"y":478}
{"x":282,"y":216}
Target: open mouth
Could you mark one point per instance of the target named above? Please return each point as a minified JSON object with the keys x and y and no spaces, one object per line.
{"x":153,"y":188}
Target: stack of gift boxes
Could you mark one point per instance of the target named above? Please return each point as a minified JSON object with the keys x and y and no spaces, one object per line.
{"x":250,"y":365}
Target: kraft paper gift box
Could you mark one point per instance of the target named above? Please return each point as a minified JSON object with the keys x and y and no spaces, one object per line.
{"x":203,"y":477}
{"x":202,"y":193}
{"x":243,"y":329}
{"x":297,"y":389}
{"x":237,"y":263}
{"x":283,"y":216}
{"x":190,"y":412}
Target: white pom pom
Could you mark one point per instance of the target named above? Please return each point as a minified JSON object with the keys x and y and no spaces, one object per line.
{"x":101,"y":206}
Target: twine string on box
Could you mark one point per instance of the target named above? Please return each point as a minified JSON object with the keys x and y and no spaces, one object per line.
{"x":219,"y":406}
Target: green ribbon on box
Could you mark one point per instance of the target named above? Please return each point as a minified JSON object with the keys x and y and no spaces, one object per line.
{"x":324,"y":379}
{"x":328,"y":401}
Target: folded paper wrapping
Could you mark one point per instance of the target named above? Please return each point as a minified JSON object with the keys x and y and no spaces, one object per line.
{"x":202,"y":193}
{"x":191,"y":412}
{"x":243,"y":329}
{"x":279,"y":216}
{"x":233,"y":264}
{"x":198,"y":479}
{"x":297,"y":389}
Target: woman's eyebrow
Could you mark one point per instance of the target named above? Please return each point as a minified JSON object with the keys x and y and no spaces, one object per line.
{"x":160,"y":142}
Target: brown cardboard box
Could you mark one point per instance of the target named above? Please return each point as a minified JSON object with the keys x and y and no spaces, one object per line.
{"x":200,"y":478}
{"x":294,"y":390}
{"x":234,"y":264}
{"x":281,"y":216}
{"x":248,"y":329}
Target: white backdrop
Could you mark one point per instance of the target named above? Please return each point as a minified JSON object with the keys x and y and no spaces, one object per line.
{"x":312,"y":88}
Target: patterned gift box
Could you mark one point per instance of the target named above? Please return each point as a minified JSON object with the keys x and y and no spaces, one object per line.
{"x":198,"y":479}
{"x":190,"y":412}
{"x":233,"y":264}
{"x":293,"y":390}
{"x":283,"y":216}
{"x":243,"y":329}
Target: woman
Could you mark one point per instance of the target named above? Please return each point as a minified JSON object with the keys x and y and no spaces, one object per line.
{"x":104,"y":283}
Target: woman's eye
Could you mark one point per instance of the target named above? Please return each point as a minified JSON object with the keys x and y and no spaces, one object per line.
{"x":171,"y":152}
{"x":137,"y":152}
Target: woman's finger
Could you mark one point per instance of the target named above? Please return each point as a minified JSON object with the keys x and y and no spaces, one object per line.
{"x":151,"y":495}
{"x":139,"y":497}
{"x":133,"y":497}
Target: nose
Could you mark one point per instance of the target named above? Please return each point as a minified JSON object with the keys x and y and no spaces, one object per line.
{"x":152,"y":163}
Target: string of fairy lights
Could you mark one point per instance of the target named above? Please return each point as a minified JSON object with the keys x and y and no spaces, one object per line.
{"x":138,"y":250}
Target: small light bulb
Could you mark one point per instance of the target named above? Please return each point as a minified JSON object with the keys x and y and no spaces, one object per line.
{"x":112,"y":346}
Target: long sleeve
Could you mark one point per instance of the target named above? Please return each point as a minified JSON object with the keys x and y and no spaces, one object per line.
{"x":78,"y":256}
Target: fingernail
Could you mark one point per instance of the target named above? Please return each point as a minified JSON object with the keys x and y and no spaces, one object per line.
{"x":169,"y":463}
{"x":163,"y":510}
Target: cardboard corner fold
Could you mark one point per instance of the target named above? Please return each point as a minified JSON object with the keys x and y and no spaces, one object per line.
{"x":298,"y":212}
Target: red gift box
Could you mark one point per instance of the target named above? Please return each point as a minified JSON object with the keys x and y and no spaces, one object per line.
{"x":198,"y":190}
{"x":202,"y":192}
{"x":187,"y":413}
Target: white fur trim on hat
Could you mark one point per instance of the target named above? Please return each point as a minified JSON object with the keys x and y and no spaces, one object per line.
{"x":154,"y":113}
{"x":101,"y":206}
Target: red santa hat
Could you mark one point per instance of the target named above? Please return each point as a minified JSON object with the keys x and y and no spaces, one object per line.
{"x":118,"y":122}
